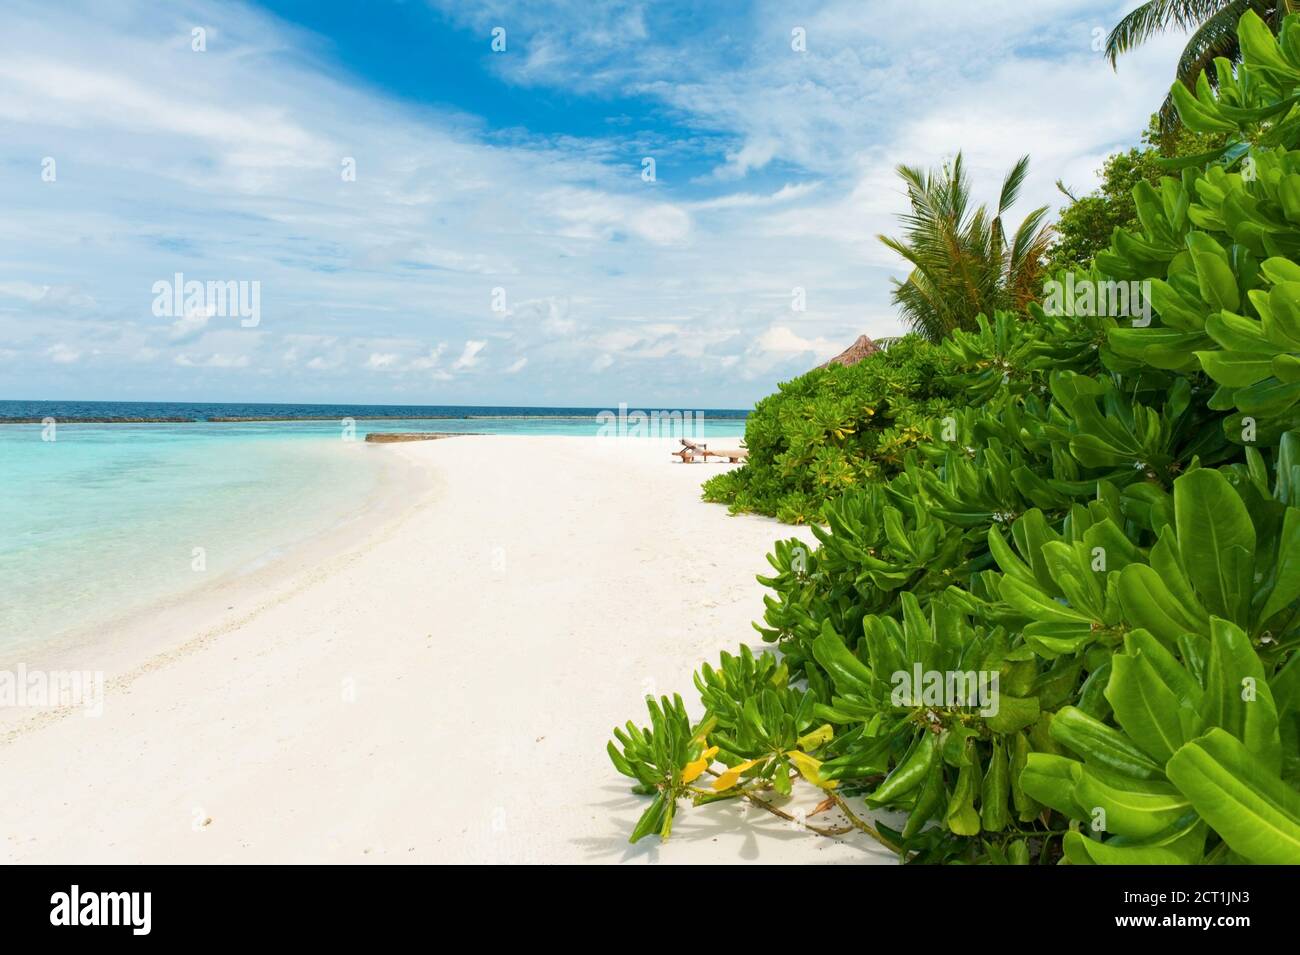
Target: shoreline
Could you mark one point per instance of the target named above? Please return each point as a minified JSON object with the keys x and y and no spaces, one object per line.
{"x":122,"y":643}
{"x":288,"y":419}
{"x":441,"y":693}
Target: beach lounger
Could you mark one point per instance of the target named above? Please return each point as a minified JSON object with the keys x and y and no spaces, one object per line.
{"x":691,"y":451}
{"x":735,"y":457}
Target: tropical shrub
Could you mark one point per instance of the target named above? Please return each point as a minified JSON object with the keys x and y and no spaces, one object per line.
{"x":833,"y":429}
{"x":1065,"y":629}
{"x":837,"y":429}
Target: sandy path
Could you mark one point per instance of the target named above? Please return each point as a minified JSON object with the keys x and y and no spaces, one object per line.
{"x":443,"y":694}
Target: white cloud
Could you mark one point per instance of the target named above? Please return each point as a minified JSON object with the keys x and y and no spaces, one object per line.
{"x":215,"y":360}
{"x":430,"y":359}
{"x":747,"y":200}
{"x":62,"y":354}
{"x":24,"y":290}
{"x":469,"y":356}
{"x":47,"y":296}
{"x":516,"y":366}
{"x":190,"y":326}
{"x":589,"y":214}
{"x":782,"y":341}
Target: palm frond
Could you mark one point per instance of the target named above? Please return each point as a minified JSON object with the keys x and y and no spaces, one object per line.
{"x":962,"y":265}
{"x":1216,"y":37}
{"x":1030,"y":233}
{"x":1157,"y":16}
{"x":1011,"y":185}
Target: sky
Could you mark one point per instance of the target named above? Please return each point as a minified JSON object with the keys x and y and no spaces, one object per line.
{"x":544,"y":203}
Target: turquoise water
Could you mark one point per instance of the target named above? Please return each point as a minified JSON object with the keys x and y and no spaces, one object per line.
{"x":486,"y":418}
{"x":105,"y":519}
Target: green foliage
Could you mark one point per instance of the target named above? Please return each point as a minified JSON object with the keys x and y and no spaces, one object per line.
{"x":833,"y":429}
{"x":963,"y":263}
{"x":1195,"y":753}
{"x":1063,"y":627}
{"x":658,"y":758}
{"x":1212,"y":25}
{"x":1219,"y":247}
{"x":1086,"y":225}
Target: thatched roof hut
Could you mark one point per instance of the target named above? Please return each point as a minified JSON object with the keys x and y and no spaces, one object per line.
{"x":859,"y":350}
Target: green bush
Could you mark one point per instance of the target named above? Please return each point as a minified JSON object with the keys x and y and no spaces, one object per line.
{"x":835,"y":428}
{"x":1097,"y":560}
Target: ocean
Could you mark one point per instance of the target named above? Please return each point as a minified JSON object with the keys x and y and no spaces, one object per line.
{"x":103,"y":519}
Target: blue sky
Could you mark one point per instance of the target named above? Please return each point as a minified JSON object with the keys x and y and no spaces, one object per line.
{"x":500,"y":242}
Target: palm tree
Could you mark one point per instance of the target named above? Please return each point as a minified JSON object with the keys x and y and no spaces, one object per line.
{"x":962,"y":263}
{"x":1213,"y":28}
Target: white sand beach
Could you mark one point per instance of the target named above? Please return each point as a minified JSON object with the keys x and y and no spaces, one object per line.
{"x":439,"y":686}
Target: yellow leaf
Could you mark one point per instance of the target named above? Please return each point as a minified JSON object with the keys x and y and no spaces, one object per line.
{"x":732,"y":775}
{"x":695,"y":767}
{"x":704,"y":730}
{"x":823,"y":734}
{"x":810,"y":769}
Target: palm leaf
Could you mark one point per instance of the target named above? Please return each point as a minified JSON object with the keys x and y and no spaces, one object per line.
{"x":1213,"y":28}
{"x":1011,"y":185}
{"x":962,"y":264}
{"x":1157,"y":16}
{"x":1217,"y":36}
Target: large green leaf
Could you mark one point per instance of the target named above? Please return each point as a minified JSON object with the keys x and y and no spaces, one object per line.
{"x":1236,"y":369}
{"x":851,"y":675}
{"x":1217,"y":541}
{"x":1181,"y":845}
{"x":1029,"y":600}
{"x":1138,"y":808}
{"x":1014,"y":713}
{"x":1237,"y":695}
{"x":1101,"y":744}
{"x":1171,"y":671}
{"x":1148,"y":603}
{"x":1256,"y":813}
{"x":1050,"y":779}
{"x":1147,"y":708}
{"x":1286,"y":586}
